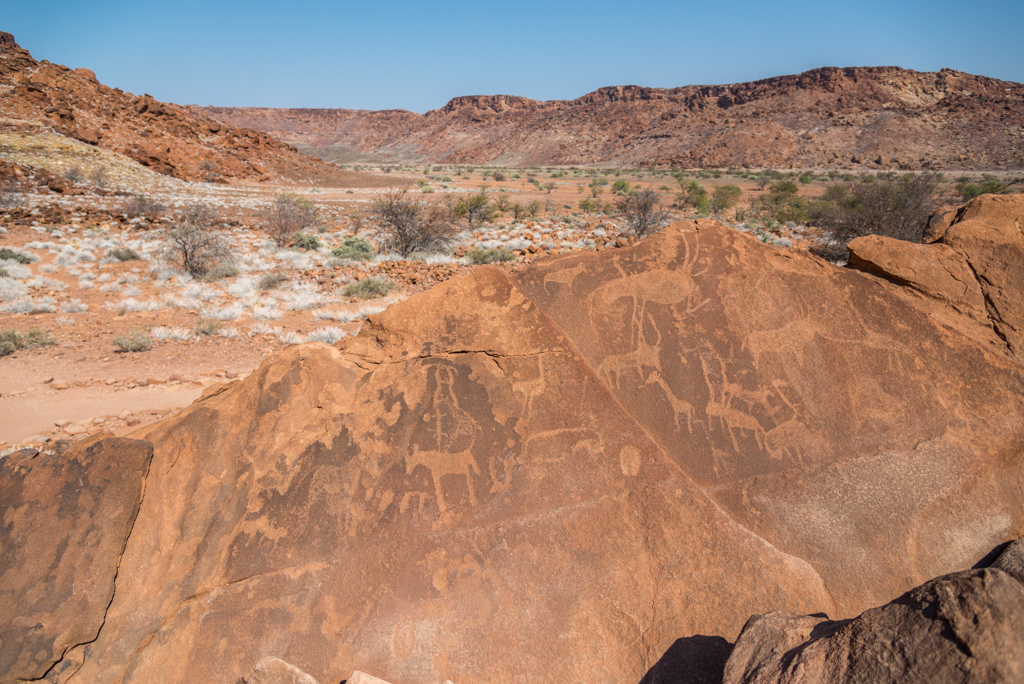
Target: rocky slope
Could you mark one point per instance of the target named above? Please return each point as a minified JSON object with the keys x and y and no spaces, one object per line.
{"x":875,"y":117}
{"x":549,"y":474}
{"x":172,"y":140}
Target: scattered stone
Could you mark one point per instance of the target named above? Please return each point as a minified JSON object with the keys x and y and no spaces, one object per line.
{"x":74,"y":429}
{"x":59,"y":385}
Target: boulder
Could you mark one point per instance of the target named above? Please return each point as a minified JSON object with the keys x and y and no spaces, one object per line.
{"x":1011,"y":560}
{"x":554,"y":472}
{"x":963,"y":628}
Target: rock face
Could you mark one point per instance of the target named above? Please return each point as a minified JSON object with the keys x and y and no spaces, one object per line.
{"x":869,"y":117}
{"x":965,"y":627}
{"x":173,"y":140}
{"x":65,"y":524}
{"x":558,"y":473}
{"x":972,"y":264}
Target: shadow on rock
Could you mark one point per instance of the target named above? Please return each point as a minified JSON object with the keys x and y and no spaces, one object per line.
{"x":697,"y":659}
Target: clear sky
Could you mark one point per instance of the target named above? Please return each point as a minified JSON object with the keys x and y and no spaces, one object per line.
{"x":418,"y":55}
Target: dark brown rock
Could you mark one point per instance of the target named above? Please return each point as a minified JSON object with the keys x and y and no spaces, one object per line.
{"x":1011,"y":560}
{"x":66,"y":520}
{"x":962,"y":628}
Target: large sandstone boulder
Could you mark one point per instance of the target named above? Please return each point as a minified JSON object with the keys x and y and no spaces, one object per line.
{"x":556,"y":474}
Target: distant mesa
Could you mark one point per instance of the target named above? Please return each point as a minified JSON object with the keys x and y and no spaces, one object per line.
{"x":856,"y":117}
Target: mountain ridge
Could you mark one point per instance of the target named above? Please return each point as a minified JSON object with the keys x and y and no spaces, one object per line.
{"x":874,"y":117}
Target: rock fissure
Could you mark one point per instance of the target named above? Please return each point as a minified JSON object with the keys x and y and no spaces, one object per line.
{"x":117,"y":569}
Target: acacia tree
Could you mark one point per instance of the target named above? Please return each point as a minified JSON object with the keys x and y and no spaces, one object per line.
{"x":723,"y":197}
{"x":642,"y":212}
{"x":474,"y":208}
{"x":412,"y":226}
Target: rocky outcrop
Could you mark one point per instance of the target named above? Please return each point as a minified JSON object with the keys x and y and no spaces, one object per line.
{"x":167,"y":138}
{"x":558,"y":472}
{"x":867,"y":117}
{"x":973,"y":264}
{"x":965,"y":627}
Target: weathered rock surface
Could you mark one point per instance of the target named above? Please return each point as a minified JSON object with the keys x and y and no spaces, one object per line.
{"x":65,"y":521}
{"x":966,"y":627}
{"x":1011,"y":560}
{"x":973,"y":266}
{"x":554,"y":474}
{"x":874,"y":117}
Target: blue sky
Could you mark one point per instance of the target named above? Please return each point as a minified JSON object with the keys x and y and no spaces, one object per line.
{"x":418,"y":55}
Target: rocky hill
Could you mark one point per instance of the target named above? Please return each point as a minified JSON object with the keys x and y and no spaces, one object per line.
{"x":167,"y":138}
{"x":868,"y":117}
{"x":562,"y":473}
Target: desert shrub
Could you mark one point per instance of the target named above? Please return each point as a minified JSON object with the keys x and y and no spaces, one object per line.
{"x":12,"y":340}
{"x":475,"y":208}
{"x":271,"y":280}
{"x":99,"y":177}
{"x":642,"y":212}
{"x":290,"y":214}
{"x":8,"y":254}
{"x":692,"y":195}
{"x":74,"y":174}
{"x":123,"y":254}
{"x":354,"y":249}
{"x":412,"y":226}
{"x":193,"y":248}
{"x":620,"y":187}
{"x":499,"y":176}
{"x":142,"y":206}
{"x":489,"y":256}
{"x":205,"y":326}
{"x":306,"y":241}
{"x":9,"y":195}
{"x":369,"y":288}
{"x":989,"y":186}
{"x":782,"y":203}
{"x":897,"y":206}
{"x":224,"y":269}
{"x":133,"y":341}
{"x":4,"y":273}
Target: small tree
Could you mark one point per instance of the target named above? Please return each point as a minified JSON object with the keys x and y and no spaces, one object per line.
{"x":723,"y":197}
{"x":642,"y":212}
{"x":896,"y":206}
{"x":290,"y":214}
{"x":474,"y":208}
{"x":195,"y":249}
{"x":412,"y":226}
